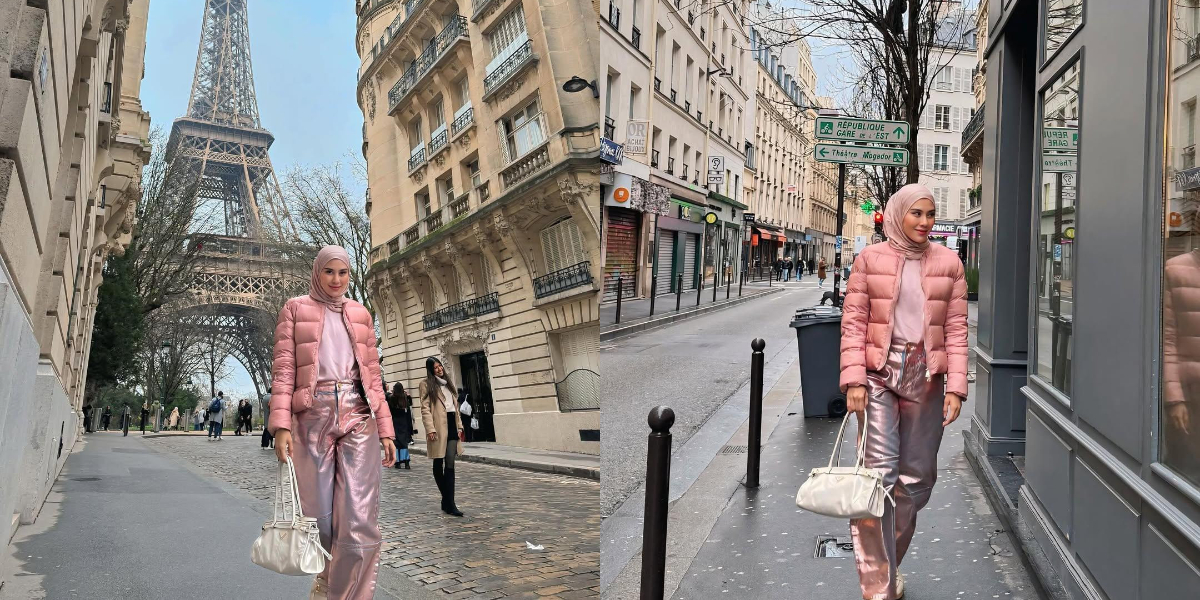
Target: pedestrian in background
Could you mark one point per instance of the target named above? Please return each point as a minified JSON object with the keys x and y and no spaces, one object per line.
{"x":145,"y":415}
{"x":904,"y":392}
{"x":821,"y":273}
{"x":402,"y":423}
{"x":198,"y":420}
{"x":173,"y":420}
{"x":105,"y":417}
{"x":247,"y":415}
{"x":216,"y":416}
{"x":329,"y":414}
{"x":444,"y":433}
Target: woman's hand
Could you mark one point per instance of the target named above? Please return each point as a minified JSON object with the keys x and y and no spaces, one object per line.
{"x":856,"y":399}
{"x":389,"y":451}
{"x":1178,"y":414}
{"x":432,"y":436}
{"x":283,"y":444}
{"x":950,"y":409}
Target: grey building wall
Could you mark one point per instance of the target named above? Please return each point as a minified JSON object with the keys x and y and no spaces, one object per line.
{"x":1103,"y":518}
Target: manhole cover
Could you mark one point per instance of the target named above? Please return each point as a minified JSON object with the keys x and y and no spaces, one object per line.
{"x":84,"y":478}
{"x":834,"y":546}
{"x":733,"y":450}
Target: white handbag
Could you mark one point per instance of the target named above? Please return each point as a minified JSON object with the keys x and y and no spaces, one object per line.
{"x":844,"y":492}
{"x":290,"y":546}
{"x":465,"y":409}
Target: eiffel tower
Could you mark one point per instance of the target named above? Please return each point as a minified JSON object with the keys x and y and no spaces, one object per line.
{"x":246,"y":267}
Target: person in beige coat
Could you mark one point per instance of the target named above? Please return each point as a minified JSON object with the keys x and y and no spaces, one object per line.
{"x":444,"y":435}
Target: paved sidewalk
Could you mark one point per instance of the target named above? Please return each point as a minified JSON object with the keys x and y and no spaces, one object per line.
{"x":124,"y":521}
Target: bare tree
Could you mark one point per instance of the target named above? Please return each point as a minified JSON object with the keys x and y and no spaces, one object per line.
{"x":213,"y":360}
{"x":171,"y":353}
{"x":325,"y":211}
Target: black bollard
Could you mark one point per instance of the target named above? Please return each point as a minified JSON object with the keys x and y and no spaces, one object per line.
{"x":658,"y":488}
{"x":653,"y":292}
{"x":728,"y":284}
{"x":700,"y":290}
{"x":770,"y":276}
{"x":678,"y":291}
{"x":756,"y":392}
{"x":619,"y":294}
{"x":741,"y":280}
{"x":716,"y":283}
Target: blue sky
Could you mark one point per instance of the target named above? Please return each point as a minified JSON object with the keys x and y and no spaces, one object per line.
{"x":305,"y":72}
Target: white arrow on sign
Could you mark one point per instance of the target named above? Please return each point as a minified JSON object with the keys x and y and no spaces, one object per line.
{"x":862,"y":155}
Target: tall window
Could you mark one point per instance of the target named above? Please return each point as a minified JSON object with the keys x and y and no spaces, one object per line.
{"x":415,"y":143}
{"x":944,"y":81}
{"x":942,"y":117}
{"x":523,"y":131}
{"x":437,"y":118}
{"x":562,"y":245}
{"x":508,"y":33}
{"x":941,"y":155}
{"x":1056,"y":230}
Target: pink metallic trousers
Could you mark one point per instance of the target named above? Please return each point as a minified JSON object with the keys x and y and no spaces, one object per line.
{"x":336,"y":453}
{"x":904,"y":430}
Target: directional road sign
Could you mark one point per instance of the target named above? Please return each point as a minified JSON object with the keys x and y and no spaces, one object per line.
{"x":1060,"y":138}
{"x":1056,"y":163}
{"x":863,"y":155}
{"x":862,"y":130}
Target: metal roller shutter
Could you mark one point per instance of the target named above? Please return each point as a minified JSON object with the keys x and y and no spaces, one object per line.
{"x":689,"y":261}
{"x":621,"y":251}
{"x":666,"y":261}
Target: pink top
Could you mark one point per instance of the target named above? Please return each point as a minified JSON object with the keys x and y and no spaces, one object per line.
{"x":910,"y":306}
{"x":335,"y":358}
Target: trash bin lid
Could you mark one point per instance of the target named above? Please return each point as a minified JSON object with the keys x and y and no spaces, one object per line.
{"x":814,"y":315}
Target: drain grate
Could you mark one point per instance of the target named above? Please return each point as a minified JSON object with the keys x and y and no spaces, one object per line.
{"x":733,"y":449}
{"x":834,"y":546}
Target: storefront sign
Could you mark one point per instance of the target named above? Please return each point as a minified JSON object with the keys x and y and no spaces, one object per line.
{"x":791,"y":188}
{"x":1058,"y":163}
{"x":862,"y":130}
{"x":944,"y":229}
{"x":1068,"y":193}
{"x":1064,"y":139}
{"x":1069,"y":234}
{"x":716,"y":170}
{"x":635,"y":137}
{"x":611,"y":152}
{"x":748,"y":217}
{"x":620,"y":192}
{"x":710,"y":218}
{"x":1188,"y":179}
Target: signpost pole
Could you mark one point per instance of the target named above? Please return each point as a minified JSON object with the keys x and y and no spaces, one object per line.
{"x":837,"y":256}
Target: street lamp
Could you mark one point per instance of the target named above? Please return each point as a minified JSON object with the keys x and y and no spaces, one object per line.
{"x":578,"y":84}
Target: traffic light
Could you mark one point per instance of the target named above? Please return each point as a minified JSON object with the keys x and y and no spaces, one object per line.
{"x":878,"y":223}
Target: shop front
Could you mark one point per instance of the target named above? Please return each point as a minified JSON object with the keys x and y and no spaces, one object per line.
{"x":1086,"y":404}
{"x":723,"y":234}
{"x":680,"y":246}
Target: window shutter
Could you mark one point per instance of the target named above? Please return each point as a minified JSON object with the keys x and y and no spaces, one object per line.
{"x":551,"y":249}
{"x":489,"y":278}
{"x":956,"y":122}
{"x":927,"y":162}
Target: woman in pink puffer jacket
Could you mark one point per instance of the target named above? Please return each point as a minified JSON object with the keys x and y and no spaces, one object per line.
{"x":328,"y":414}
{"x":903,"y":362}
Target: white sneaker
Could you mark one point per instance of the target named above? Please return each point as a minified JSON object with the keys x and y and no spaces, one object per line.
{"x":899,"y":585}
{"x":320,"y":589}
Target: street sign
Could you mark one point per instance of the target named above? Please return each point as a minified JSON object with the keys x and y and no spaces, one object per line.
{"x":1068,"y":194}
{"x":1063,"y":139}
{"x":1057,"y":163}
{"x":716,"y":178}
{"x":710,"y":218}
{"x":611,"y":152}
{"x":1068,"y":180}
{"x":748,"y":217}
{"x":862,"y":130}
{"x":863,"y":155}
{"x":716,"y":170}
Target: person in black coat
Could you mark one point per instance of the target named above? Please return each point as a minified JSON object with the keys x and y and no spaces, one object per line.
{"x":400,"y":404}
{"x":105,"y":417}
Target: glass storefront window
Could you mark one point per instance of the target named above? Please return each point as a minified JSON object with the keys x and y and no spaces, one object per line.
{"x":1062,"y":19}
{"x":1180,"y":418}
{"x":1056,"y":229}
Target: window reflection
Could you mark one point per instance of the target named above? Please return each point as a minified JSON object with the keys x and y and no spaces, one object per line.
{"x":1180,"y":419}
{"x":1056,"y":229}
{"x":1062,"y":18}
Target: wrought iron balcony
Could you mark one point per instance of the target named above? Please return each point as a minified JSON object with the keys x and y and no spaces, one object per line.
{"x":106,"y":102}
{"x":700,"y":117}
{"x":416,"y":159}
{"x":462,"y":121}
{"x":636,"y":37}
{"x":1193,"y":48}
{"x":973,"y":129}
{"x":614,"y":16}
{"x":610,"y":128}
{"x":439,"y":140}
{"x":523,"y":56}
{"x":687,"y":106}
{"x":1189,"y":157}
{"x":657,"y":84}
{"x":462,"y":311}
{"x":563,"y":279}
{"x":437,"y":48}
{"x":654,"y":159}
{"x":394,"y":28}
{"x":670,"y":165}
{"x":672,"y":94}
{"x":702,"y":34}
{"x":691,"y":18}
{"x":478,"y":6}
{"x":684,"y":175}
{"x":525,"y":166}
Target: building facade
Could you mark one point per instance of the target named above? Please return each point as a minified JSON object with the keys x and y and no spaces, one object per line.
{"x":73,"y":140}
{"x":948,"y":111}
{"x":675,"y":94}
{"x":972,"y":149}
{"x":484,"y":198}
{"x":1086,"y":447}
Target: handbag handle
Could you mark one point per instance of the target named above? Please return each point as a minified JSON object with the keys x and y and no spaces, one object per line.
{"x":836,"y":458}
{"x":287,"y":470}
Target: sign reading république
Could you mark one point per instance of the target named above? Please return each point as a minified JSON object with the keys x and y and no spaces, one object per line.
{"x":862,"y":130}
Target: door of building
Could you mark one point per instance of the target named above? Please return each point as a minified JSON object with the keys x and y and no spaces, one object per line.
{"x":664,"y":266}
{"x":620,"y":256}
{"x":478,"y":386}
{"x":690,"y":243}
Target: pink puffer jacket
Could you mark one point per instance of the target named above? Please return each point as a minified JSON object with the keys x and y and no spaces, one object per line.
{"x":868,"y":307}
{"x":294,"y":372}
{"x":1181,"y":328}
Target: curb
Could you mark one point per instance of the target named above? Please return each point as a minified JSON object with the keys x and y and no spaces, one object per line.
{"x":619,"y":332}
{"x":526,"y":465}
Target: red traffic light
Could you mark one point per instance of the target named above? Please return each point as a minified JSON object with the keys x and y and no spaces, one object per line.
{"x":879,"y":218}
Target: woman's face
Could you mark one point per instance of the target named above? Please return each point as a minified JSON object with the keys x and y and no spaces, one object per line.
{"x":334,"y":277}
{"x":439,"y":370}
{"x":918,"y":221}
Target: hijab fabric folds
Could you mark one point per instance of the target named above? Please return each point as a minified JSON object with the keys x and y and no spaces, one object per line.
{"x":327,"y":254}
{"x":893,"y":219}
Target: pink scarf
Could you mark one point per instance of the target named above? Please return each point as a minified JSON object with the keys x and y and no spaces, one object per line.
{"x":315,"y":292}
{"x":893,"y":219}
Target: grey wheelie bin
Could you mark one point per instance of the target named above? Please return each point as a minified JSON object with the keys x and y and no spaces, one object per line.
{"x":818,"y":337}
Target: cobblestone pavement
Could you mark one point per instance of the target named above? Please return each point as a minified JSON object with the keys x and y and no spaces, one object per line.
{"x":483,"y":555}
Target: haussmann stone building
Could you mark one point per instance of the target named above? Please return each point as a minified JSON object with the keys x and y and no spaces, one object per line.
{"x":484,"y":202}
